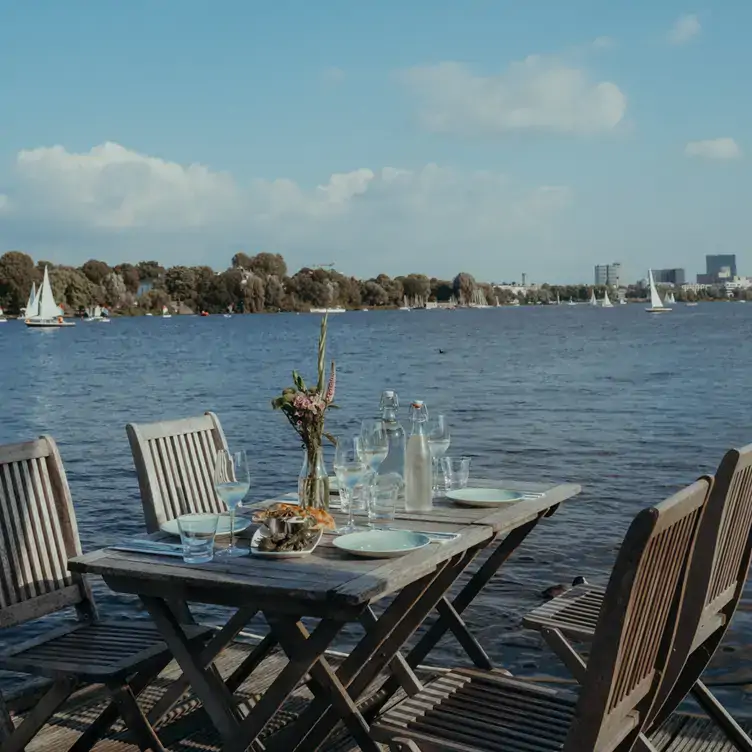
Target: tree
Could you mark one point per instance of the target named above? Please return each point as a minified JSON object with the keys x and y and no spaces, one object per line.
{"x":373,"y":294}
{"x":153,"y":300}
{"x":115,"y":291}
{"x":416,"y":286}
{"x":17,"y":273}
{"x":149,"y":270}
{"x":441,"y":289}
{"x":95,"y":271}
{"x":241,"y":261}
{"x":464,"y":286}
{"x":129,"y":273}
{"x":268,"y":264}
{"x":72,"y":289}
{"x":274,"y":296}
{"x":180,"y":283}
{"x":392,"y":287}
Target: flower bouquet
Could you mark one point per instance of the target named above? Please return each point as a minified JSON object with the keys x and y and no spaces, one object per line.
{"x":305,"y":407}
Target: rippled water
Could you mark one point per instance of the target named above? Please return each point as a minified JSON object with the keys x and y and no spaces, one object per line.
{"x":630,"y":406}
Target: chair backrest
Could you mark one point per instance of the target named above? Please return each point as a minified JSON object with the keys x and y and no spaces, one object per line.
{"x":715,"y":582}
{"x":175,"y":462}
{"x":38,"y":534}
{"x":637,"y":623}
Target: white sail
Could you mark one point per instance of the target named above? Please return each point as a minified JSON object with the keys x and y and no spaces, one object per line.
{"x":593,"y":301}
{"x":32,"y":301}
{"x":655,"y":298}
{"x":606,"y":303}
{"x":45,"y":307}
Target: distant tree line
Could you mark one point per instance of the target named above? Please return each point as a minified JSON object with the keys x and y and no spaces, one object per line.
{"x":254,"y":284}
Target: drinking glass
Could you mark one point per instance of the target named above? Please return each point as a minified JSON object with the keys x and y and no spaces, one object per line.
{"x":437,"y":430}
{"x":197,"y":533}
{"x":351,"y":470}
{"x":456,"y":471}
{"x":231,"y":482}
{"x":374,"y":443}
{"x":382,"y":501}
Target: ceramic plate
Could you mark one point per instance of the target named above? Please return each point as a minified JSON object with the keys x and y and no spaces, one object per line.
{"x":223,"y":527}
{"x":484,"y":497}
{"x":381,"y":544}
{"x":261,"y":533}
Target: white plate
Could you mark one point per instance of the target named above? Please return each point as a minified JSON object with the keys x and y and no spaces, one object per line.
{"x":260,"y":533}
{"x":381,"y":544}
{"x":484,"y":497}
{"x":223,"y":526}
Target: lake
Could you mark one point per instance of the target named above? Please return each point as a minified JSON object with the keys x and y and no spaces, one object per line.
{"x":629,"y":405}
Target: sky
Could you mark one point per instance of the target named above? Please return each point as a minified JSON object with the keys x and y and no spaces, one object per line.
{"x":424,"y":136}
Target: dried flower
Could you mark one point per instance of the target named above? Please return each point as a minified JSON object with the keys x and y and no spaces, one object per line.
{"x":329,"y":396}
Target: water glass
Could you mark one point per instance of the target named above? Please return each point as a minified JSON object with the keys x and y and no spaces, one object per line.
{"x":437,"y":430}
{"x":351,"y":470}
{"x":197,"y":533}
{"x":456,"y":471}
{"x":382,"y":499}
{"x":373,"y":442}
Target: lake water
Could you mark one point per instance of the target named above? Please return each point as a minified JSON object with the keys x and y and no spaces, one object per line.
{"x":629,"y":405}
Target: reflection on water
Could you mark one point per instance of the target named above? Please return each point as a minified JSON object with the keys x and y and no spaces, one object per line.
{"x":628,"y":405}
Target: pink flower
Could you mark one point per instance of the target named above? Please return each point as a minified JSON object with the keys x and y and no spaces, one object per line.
{"x":329,"y":396}
{"x":302,"y":403}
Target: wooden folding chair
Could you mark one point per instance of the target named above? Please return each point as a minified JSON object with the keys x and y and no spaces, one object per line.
{"x":38,"y":534}
{"x":717,"y":576}
{"x":468,"y":710}
{"x":174,"y":462}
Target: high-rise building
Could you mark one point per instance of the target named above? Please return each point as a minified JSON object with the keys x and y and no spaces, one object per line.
{"x":719,"y":268}
{"x":608,"y":274}
{"x":669,"y":276}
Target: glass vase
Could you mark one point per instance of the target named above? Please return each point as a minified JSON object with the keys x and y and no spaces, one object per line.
{"x":313,"y":481}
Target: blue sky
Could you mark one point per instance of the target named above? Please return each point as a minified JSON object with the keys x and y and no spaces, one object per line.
{"x":491,"y":137}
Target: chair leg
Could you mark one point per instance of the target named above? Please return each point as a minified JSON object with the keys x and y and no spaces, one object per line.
{"x":111,"y":713}
{"x":7,"y":727}
{"x":138,"y":726}
{"x":60,"y":691}
{"x":722,"y":718}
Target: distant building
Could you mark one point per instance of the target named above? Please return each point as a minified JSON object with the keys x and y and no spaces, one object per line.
{"x":608,"y":274}
{"x":144,"y":287}
{"x":669,"y":277}
{"x":719,"y":269}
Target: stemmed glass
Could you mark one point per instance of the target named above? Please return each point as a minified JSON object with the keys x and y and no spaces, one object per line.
{"x":437,"y":431}
{"x":374,"y":443}
{"x":231,"y":482}
{"x":350,"y":469}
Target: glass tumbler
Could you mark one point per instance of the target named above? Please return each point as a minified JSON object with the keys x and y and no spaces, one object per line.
{"x":456,"y":471}
{"x":197,"y":532}
{"x":382,"y":499}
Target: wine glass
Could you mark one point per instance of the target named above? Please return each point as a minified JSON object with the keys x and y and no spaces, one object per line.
{"x":350,"y":469}
{"x":231,"y":482}
{"x":437,"y":430}
{"x":374,"y":443}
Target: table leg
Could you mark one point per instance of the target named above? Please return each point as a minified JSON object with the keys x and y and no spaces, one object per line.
{"x":211,"y":690}
{"x":298,"y":666}
{"x":379,"y":647}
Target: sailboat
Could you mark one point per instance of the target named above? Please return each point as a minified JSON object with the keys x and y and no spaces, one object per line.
{"x":606,"y":302}
{"x":404,"y":306}
{"x":42,"y":310}
{"x":622,"y":301}
{"x":97,"y":313}
{"x":165,"y":313}
{"x":571,"y":302}
{"x":31,"y":302}
{"x":670,"y":298}
{"x":558,"y":300}
{"x":656,"y":304}
{"x":593,"y":301}
{"x":2,"y":316}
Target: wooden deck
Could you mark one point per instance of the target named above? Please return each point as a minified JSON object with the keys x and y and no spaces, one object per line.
{"x":187,"y":729}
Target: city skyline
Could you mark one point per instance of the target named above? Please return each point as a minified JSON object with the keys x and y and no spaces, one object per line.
{"x":503,"y":137}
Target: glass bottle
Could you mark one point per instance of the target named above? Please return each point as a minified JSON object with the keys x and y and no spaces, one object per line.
{"x":418,"y":476}
{"x":313,"y":481}
{"x":395,"y":458}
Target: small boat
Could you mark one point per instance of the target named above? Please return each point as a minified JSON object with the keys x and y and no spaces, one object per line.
{"x":98,"y":314}
{"x":328,"y":310}
{"x":670,"y":300}
{"x":606,"y":302}
{"x":691,"y":304}
{"x":571,"y":302}
{"x":42,"y":311}
{"x":656,"y":304}
{"x":204,"y":313}
{"x":622,"y":301}
{"x":227,"y":315}
{"x":149,"y":314}
{"x":165,"y":313}
{"x":593,"y":301}
{"x":558,"y":300}
{"x":404,"y":306}
{"x":2,"y":316}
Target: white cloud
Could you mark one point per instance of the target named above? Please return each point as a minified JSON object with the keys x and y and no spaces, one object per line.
{"x":333,"y":75}
{"x":120,"y":205}
{"x":537,"y":93}
{"x":714,"y":148}
{"x":685,"y":28}
{"x":604,"y":43}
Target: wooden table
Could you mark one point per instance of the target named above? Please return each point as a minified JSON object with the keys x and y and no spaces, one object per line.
{"x":337,"y":590}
